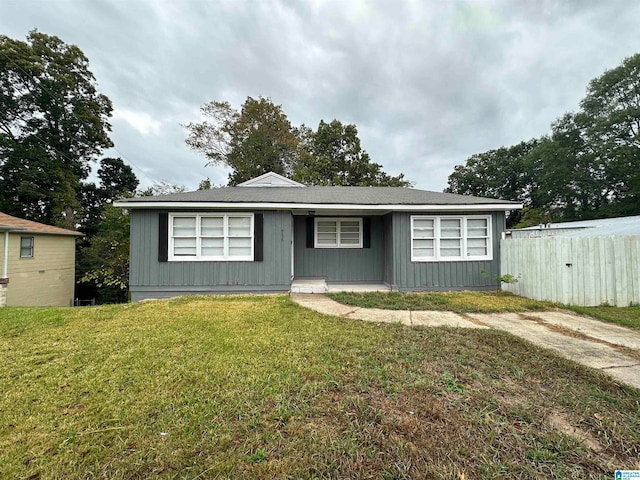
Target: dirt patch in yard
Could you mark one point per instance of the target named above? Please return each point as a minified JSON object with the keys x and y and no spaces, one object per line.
{"x":561,"y":423}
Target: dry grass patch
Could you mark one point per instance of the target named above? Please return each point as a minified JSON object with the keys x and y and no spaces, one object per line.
{"x":257,"y":387}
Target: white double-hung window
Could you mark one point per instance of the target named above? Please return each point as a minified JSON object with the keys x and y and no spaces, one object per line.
{"x":338,"y":232}
{"x":440,"y":238}
{"x":211,"y":236}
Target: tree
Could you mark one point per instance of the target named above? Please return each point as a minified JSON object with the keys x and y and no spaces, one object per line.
{"x":610,"y":122}
{"x":587,"y":168}
{"x":105,"y":261}
{"x":332,"y":155}
{"x":53,"y":122}
{"x":505,"y":173}
{"x":255,"y":140}
{"x":116,"y":180}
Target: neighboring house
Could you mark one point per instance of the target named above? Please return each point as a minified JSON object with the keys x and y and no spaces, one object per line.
{"x":588,"y":262}
{"x":270,"y":232}
{"x":37,"y":263}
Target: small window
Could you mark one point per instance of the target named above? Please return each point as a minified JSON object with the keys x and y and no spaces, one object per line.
{"x":26,"y":247}
{"x":338,"y":232}
{"x":450,"y":238}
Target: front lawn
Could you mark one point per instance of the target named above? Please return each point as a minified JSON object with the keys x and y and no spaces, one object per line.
{"x":258,"y":387}
{"x":460,"y":302}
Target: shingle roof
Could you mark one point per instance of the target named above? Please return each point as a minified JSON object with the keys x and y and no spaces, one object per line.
{"x":15,"y":224}
{"x":322,"y":196}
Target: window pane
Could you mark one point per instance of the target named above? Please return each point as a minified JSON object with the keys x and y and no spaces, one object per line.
{"x":450,"y":228}
{"x":184,"y":226}
{"x":239,"y":226}
{"x":423,"y":248}
{"x":477,"y":223}
{"x":350,"y":239}
{"x":450,"y":247}
{"x":212,"y":247}
{"x":476,"y":247}
{"x":239,"y":247}
{"x":425,"y":233}
{"x":184,"y":246}
{"x":327,"y":238}
{"x":476,"y":232}
{"x":350,"y":232}
{"x":26,"y":247}
{"x":423,"y":223}
{"x":324,"y":226}
{"x":212,"y":226}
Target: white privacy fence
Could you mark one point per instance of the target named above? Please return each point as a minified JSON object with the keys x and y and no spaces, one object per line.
{"x":585,"y":271}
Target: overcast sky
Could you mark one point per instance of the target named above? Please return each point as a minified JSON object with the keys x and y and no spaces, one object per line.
{"x":427,"y":83}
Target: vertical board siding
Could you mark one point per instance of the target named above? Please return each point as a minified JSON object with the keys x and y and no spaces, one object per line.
{"x":339,"y":264}
{"x":587,"y":271}
{"x":387,"y":239}
{"x":146,"y":271}
{"x":460,"y":275}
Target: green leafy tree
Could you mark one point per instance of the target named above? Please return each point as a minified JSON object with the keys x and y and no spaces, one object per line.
{"x":588,"y":167}
{"x":116,"y":180}
{"x":332,"y":155}
{"x":610,"y":122}
{"x":255,"y":140}
{"x":105,"y":260}
{"x":505,"y":173}
{"x":53,"y":122}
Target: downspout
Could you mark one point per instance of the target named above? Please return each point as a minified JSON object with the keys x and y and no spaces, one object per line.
{"x":4,"y":280}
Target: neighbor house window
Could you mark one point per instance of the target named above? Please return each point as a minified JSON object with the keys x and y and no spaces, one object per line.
{"x":212,"y":237}
{"x":338,"y":232}
{"x":26,"y":247}
{"x":450,"y":238}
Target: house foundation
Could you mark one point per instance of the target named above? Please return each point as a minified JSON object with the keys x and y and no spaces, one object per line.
{"x":4,"y":285}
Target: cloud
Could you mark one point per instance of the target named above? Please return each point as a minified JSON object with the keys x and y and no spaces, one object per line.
{"x":427,"y":83}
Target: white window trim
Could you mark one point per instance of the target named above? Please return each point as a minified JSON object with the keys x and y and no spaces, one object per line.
{"x":200,"y":258}
{"x":338,"y":221}
{"x":464,"y":219}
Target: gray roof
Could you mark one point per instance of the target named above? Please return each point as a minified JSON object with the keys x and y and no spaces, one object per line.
{"x":323,"y":195}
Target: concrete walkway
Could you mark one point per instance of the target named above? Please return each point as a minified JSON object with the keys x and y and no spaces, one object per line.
{"x":610,"y":348}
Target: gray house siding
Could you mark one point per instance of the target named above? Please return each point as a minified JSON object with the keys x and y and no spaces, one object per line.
{"x":339,"y":264}
{"x":387,"y":239}
{"x":464,"y":275}
{"x":150,"y":278}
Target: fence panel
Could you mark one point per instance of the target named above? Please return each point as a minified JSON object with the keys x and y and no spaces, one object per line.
{"x":584,"y":271}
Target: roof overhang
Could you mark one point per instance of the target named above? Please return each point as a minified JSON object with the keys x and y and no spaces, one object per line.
{"x":319,"y":206}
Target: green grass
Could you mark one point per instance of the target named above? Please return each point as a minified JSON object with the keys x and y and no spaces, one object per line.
{"x":258,"y":387}
{"x":460,"y":302}
{"x":480,"y":302}
{"x":625,"y":316}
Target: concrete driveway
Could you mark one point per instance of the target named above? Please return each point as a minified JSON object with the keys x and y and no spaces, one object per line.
{"x":608,"y":347}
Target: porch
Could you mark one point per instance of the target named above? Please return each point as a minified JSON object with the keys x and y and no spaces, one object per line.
{"x":320,"y":285}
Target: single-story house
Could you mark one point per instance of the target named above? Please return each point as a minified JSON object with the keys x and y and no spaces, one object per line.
{"x":37,"y":263}
{"x":270,"y":234}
